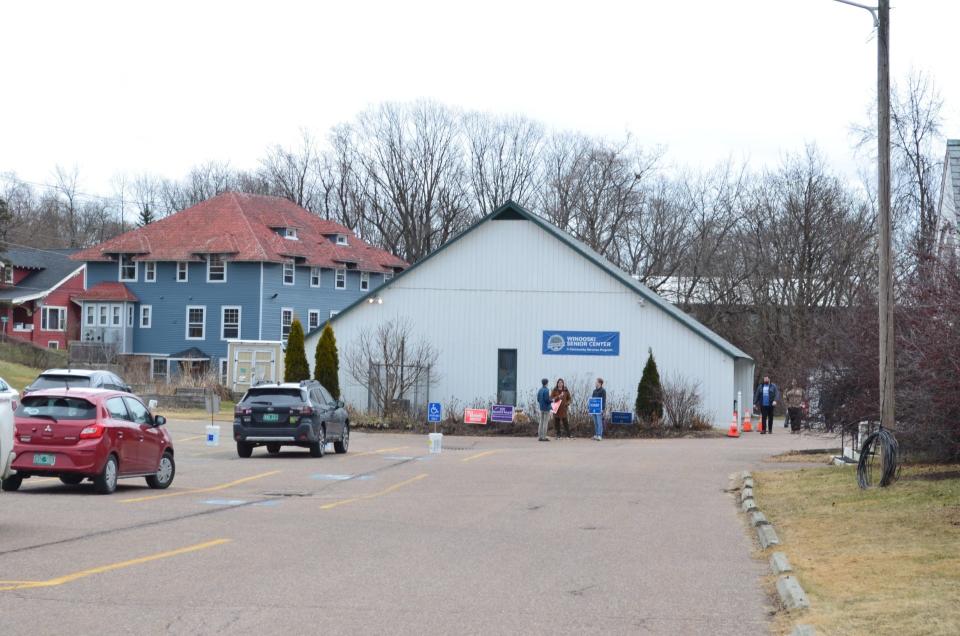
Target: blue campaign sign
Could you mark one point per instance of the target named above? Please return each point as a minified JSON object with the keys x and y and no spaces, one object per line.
{"x":581,"y":343}
{"x":621,"y":417}
{"x":501,"y":413}
{"x":434,"y":410}
{"x":595,"y":406}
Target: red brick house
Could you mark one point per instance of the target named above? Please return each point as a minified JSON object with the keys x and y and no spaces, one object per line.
{"x":36,"y":290}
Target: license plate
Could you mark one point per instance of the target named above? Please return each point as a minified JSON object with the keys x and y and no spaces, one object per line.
{"x":44,"y":459}
{"x":271,"y":417}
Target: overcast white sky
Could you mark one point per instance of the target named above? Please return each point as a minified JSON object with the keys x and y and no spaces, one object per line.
{"x":134,"y":86}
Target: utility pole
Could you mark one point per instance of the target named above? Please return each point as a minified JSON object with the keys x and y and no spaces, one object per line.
{"x":887,"y":352}
{"x":881,"y":20}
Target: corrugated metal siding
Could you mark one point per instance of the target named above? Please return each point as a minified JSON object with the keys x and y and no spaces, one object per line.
{"x":506,"y":282}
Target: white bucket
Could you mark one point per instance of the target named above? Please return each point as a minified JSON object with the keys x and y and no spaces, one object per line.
{"x":213,"y":435}
{"x":436,"y":442}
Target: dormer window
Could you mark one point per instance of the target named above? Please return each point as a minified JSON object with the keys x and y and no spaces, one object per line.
{"x":128,"y":268}
{"x":7,"y":273}
{"x":341,"y":239}
{"x":216,"y":268}
{"x":290,"y":233}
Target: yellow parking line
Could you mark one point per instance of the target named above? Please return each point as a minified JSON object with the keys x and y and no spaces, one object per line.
{"x":371,"y":496}
{"x":194,"y":491}
{"x":382,"y":450}
{"x":69,"y":578}
{"x":479,"y":455}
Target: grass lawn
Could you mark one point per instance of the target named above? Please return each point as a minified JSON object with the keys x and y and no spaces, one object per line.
{"x":18,"y":375}
{"x":882,"y":561}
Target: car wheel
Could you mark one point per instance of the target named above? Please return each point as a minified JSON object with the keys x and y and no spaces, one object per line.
{"x":71,"y":480}
{"x":273,"y":449}
{"x":165,"y":472}
{"x":106,"y":482}
{"x":244,"y":449}
{"x":12,"y":483}
{"x":344,"y":443}
{"x":317,"y":448}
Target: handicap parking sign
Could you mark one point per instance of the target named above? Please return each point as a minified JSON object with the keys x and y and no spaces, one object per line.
{"x":433,"y":412}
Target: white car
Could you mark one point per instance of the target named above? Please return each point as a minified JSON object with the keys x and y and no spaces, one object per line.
{"x":6,"y":436}
{"x":10,"y":392}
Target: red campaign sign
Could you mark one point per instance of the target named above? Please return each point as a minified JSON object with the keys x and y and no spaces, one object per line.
{"x":475,"y":416}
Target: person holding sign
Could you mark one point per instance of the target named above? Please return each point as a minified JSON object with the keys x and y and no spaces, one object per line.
{"x":561,"y":398}
{"x":543,"y":401}
{"x":601,"y":393}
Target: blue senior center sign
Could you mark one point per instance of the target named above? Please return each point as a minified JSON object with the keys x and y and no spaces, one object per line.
{"x":581,"y":343}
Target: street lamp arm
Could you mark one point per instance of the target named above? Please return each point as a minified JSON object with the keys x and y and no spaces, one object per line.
{"x":872,"y":10}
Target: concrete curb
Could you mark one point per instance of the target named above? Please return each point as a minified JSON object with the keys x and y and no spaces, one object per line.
{"x":779,"y":563}
{"x":791,"y":593}
{"x":789,"y":590}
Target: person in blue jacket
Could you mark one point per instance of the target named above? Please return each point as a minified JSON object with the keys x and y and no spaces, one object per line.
{"x":766,"y":397}
{"x":543,"y":401}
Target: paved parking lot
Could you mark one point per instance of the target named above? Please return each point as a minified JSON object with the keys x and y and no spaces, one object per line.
{"x":494,"y":535}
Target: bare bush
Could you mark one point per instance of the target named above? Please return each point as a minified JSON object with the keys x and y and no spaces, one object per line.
{"x":682,"y":404}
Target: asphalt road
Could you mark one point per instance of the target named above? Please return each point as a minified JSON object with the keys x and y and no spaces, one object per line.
{"x":494,"y":535}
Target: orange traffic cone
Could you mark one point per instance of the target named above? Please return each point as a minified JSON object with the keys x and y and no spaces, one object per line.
{"x":747,"y":426}
{"x":734,"y":428}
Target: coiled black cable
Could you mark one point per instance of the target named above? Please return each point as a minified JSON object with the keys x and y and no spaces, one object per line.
{"x":880,"y":448}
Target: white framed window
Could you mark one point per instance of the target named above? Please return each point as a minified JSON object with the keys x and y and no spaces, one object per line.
{"x":129,"y":315}
{"x":334,"y":312}
{"x":289,"y":272}
{"x":364,"y":281}
{"x":314,"y":276}
{"x":313,"y":319}
{"x":158,"y":369}
{"x":53,"y":318}
{"x":146,"y":316}
{"x":116,"y":317}
{"x":128,"y":268}
{"x":7,"y":273}
{"x":286,"y":319}
{"x":341,"y":279}
{"x":53,"y":344}
{"x":183,"y":271}
{"x":104,"y":315}
{"x":150,"y":272}
{"x":387,"y":277}
{"x":290,"y":233}
{"x":216,"y":268}
{"x":342,"y":240}
{"x":196,"y":322}
{"x":90,"y":315}
{"x":229,"y":322}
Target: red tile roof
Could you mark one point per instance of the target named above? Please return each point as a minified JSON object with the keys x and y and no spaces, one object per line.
{"x":240,"y":227}
{"x":107,"y":291}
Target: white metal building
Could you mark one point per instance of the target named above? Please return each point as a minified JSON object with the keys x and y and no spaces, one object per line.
{"x":513,"y":299}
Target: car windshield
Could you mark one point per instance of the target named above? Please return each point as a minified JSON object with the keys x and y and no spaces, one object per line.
{"x":57,"y":407}
{"x":60,"y":381}
{"x":273,"y":397}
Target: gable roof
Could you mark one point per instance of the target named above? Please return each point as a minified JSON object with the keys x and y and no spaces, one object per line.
{"x":513,"y":211}
{"x":51,"y":269}
{"x":242,"y":227}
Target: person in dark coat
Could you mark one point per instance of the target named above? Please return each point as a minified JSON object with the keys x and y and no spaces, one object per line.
{"x":766,"y":397}
{"x":543,"y":402}
{"x":601,"y":393}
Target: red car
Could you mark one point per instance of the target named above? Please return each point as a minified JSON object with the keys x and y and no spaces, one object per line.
{"x":97,"y":434}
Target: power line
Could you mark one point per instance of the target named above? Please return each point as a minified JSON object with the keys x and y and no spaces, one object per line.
{"x":14,"y":179}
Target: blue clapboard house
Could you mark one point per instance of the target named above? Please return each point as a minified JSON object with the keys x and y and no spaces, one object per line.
{"x":234,"y":267}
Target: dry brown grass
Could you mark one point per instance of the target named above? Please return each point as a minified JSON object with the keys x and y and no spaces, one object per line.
{"x":883,"y":561}
{"x":793,"y":457}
